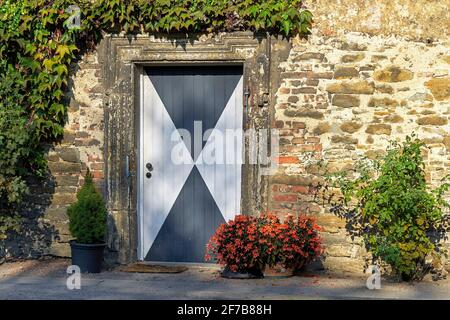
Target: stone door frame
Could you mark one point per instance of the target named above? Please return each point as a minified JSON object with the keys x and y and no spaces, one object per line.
{"x":123,"y":59}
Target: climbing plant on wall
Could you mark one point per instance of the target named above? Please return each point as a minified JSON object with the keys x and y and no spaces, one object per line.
{"x":37,"y":47}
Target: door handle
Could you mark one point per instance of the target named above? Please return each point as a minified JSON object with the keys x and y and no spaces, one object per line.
{"x":149,"y":167}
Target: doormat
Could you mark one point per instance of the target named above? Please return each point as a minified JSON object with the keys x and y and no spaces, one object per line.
{"x":151,"y":268}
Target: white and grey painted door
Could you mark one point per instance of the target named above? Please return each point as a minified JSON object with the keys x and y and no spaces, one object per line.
{"x":183,"y":198}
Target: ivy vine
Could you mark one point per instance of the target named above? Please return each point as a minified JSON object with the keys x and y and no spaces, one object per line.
{"x":37,"y":47}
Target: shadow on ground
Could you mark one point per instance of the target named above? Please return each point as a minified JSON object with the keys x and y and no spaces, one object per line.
{"x":47,"y":280}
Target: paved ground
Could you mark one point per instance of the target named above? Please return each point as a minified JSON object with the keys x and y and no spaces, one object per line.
{"x":47,"y":280}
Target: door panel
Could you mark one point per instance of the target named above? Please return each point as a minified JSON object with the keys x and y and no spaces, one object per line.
{"x":181,"y":205}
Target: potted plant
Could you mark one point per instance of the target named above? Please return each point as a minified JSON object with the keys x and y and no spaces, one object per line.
{"x":253,"y":247}
{"x":294,"y":243}
{"x":87,"y":223}
{"x":236,"y":246}
{"x":270,"y":230}
{"x":300,"y":242}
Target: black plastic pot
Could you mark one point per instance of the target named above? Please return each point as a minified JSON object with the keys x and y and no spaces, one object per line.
{"x":406,"y":277}
{"x":89,"y":257}
{"x":252,"y":273}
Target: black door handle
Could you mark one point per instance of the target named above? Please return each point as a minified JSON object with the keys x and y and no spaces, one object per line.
{"x":149,"y":167}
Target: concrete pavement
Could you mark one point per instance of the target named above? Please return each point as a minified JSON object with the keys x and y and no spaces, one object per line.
{"x":47,"y":280}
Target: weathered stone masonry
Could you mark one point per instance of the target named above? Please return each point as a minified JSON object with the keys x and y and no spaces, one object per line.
{"x":366,"y":75}
{"x":345,"y":97}
{"x":46,"y":223}
{"x":81,"y":148}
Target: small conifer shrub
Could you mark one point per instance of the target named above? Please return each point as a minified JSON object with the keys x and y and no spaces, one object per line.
{"x":88,"y":215}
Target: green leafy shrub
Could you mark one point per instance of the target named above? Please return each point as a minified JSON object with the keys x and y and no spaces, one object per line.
{"x":388,"y":203}
{"x":87,"y":216}
{"x":14,"y":150}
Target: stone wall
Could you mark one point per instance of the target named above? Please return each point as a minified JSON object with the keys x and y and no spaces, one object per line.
{"x":343,"y":97}
{"x":424,"y":20}
{"x":81,"y":148}
{"x":370,"y":72}
{"x":46,"y":227}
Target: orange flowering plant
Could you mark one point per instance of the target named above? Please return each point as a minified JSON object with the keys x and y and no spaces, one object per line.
{"x":236,"y":244}
{"x":247,"y":242}
{"x":299,"y":242}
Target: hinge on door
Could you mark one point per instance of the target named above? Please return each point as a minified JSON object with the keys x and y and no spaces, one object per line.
{"x":247,"y":96}
{"x":128,"y":172}
{"x":246,"y":105}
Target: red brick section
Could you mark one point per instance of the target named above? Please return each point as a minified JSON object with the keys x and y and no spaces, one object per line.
{"x":285,"y":188}
{"x":300,"y":189}
{"x":292,"y":199}
{"x":279,"y":124}
{"x":96,"y":166}
{"x":94,"y":157}
{"x":299,"y":90}
{"x":287,"y":160}
{"x":285,"y":198}
{"x":97,"y":174}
